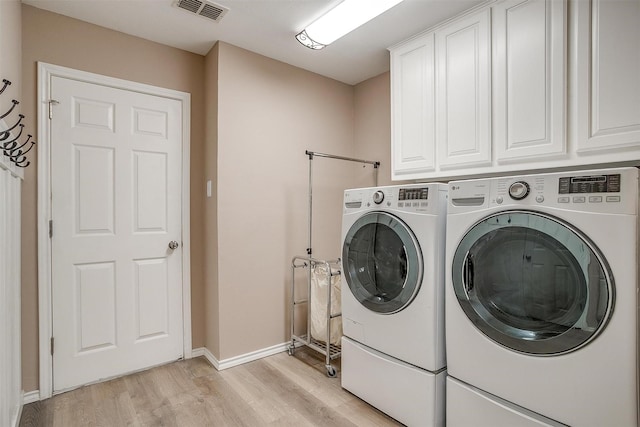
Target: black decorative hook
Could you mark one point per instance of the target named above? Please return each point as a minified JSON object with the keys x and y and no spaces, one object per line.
{"x":20,"y":162}
{"x":13,"y":149}
{"x":5,"y":134}
{"x":10,"y":109}
{"x":10,"y":145}
{"x":5,"y":84}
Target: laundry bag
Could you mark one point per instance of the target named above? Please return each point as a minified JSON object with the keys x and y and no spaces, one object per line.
{"x":319,"y":294}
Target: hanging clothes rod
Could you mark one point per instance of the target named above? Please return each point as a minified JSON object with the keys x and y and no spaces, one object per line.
{"x":349,"y":159}
{"x":311,"y":154}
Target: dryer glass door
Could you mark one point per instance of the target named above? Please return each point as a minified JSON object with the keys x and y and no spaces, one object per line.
{"x":533,"y":283}
{"x":382,"y":262}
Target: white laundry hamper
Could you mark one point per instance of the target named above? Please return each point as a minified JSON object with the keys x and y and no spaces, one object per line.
{"x":320,"y":278}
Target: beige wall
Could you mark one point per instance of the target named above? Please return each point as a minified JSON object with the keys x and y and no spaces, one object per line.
{"x":373,"y":126}
{"x":10,"y":55}
{"x":269,"y":113}
{"x":59,"y":40}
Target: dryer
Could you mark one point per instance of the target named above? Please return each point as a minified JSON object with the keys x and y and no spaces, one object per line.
{"x":542,"y":299}
{"x":393,"y":299}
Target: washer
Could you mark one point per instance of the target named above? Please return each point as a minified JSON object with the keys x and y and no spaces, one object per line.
{"x":541,"y":299}
{"x":393,"y":299}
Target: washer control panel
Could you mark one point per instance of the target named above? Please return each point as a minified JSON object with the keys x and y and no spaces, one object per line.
{"x":419,"y":198}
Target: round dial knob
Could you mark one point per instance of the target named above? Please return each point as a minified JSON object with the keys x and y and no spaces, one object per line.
{"x":378,"y":197}
{"x":519,"y":190}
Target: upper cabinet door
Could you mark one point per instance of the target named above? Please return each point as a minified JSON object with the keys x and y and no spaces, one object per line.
{"x":608,"y":74}
{"x":464,"y":92}
{"x":529,"y":79}
{"x":413,"y":107}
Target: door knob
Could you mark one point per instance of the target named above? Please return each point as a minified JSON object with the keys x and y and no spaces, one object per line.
{"x":173,"y":244}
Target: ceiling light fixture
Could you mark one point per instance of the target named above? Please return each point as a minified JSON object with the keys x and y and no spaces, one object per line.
{"x":342,"y":19}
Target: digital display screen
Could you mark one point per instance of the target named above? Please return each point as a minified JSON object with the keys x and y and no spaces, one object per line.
{"x":589,"y":184}
{"x":413,"y":194}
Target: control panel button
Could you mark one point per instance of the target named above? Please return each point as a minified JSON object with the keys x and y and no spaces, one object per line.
{"x":595,"y":199}
{"x":579,"y":199}
{"x":613,"y":198}
{"x":539,"y":198}
{"x":563,"y":199}
{"x":378,"y":197}
{"x":499,"y":200}
{"x":519,"y":190}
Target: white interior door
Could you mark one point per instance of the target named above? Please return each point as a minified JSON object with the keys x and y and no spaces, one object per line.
{"x":116,"y":206}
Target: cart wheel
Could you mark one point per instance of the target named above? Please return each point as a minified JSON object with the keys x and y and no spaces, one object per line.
{"x":290,"y":350}
{"x":331,"y":371}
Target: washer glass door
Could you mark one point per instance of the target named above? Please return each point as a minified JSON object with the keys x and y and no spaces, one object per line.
{"x":532,"y":283}
{"x":382,"y":262}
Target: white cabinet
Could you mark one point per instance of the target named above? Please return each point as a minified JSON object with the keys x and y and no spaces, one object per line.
{"x":413,"y":107}
{"x":529,"y":80}
{"x":519,"y":85}
{"x":463,"y":119}
{"x":608,"y":76}
{"x":441,"y":102}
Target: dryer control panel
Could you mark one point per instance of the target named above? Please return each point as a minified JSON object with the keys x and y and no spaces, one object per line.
{"x":592,"y":191}
{"x":605,"y":190}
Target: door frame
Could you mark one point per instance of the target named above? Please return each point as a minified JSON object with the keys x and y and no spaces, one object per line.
{"x":45,"y":73}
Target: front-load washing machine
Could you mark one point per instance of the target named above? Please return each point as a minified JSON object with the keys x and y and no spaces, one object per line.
{"x":542,"y":300}
{"x":393,"y":299}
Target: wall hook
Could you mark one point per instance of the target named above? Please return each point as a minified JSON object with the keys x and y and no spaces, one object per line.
{"x":5,"y":83}
{"x":10,"y":145}
{"x":21,"y":162}
{"x":10,"y":109}
{"x":5,"y":134}
{"x":19,"y":149}
{"x":12,"y":148}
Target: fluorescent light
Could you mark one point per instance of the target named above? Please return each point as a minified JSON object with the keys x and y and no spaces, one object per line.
{"x":342,"y":19}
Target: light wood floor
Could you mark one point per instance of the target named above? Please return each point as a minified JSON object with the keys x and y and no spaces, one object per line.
{"x":280,"y":390}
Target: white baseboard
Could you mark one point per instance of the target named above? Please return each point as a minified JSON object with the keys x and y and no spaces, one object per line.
{"x":241,"y":359}
{"x":30,"y":397}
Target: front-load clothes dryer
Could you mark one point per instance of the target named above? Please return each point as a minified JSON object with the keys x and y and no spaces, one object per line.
{"x":393,"y":299}
{"x":542,"y":298}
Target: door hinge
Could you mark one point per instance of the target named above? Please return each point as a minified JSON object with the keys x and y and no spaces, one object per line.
{"x":50,"y":228}
{"x":51,"y":103}
{"x":52,"y":346}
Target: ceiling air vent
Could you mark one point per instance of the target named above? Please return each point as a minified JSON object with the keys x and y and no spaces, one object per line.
{"x":206,"y":9}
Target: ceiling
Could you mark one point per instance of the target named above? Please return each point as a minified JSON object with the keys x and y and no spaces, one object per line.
{"x":267,"y":27}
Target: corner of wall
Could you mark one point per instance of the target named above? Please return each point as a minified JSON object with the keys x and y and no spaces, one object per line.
{"x":212,"y":301}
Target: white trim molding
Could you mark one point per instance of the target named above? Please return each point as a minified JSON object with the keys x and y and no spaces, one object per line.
{"x":221,"y":365}
{"x":45,"y":73}
{"x":31,"y":397}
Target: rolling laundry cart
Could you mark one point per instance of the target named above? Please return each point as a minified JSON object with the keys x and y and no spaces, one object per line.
{"x":331,"y":350}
